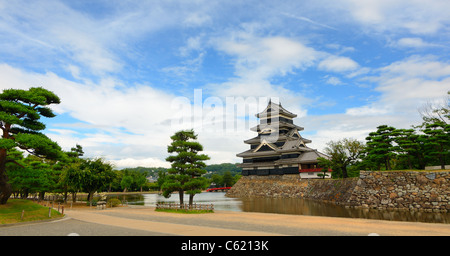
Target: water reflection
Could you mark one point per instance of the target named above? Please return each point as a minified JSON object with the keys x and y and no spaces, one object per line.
{"x":288,"y":206}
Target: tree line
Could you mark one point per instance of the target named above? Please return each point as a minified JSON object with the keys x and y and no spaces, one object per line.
{"x":30,"y":162}
{"x":390,"y":148}
{"x":68,"y":175}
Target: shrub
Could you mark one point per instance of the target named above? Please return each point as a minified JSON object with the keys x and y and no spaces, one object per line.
{"x":114,"y":202}
{"x":94,"y":202}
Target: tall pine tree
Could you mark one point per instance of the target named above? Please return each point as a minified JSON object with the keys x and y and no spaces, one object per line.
{"x":20,"y":111}
{"x":187,"y":166}
{"x":379,"y":147}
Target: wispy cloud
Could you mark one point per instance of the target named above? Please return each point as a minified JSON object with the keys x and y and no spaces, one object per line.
{"x":301,"y":18}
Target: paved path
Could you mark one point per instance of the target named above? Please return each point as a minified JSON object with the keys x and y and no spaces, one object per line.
{"x":229,"y":223}
{"x":144,"y":221}
{"x":71,"y":227}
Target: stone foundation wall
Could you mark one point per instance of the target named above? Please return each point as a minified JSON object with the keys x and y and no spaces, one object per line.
{"x":286,"y":186}
{"x":291,"y":186}
{"x":402,"y":190}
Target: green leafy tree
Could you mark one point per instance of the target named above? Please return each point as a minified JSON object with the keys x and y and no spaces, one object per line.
{"x":187,"y":166}
{"x":98,"y":174}
{"x":343,"y":153}
{"x":90,"y":176}
{"x":227,"y":179}
{"x":68,"y":164}
{"x":162,"y":174}
{"x":126,"y":182}
{"x":325,"y":164}
{"x":139,"y":180}
{"x":20,"y":111}
{"x":217,"y":179}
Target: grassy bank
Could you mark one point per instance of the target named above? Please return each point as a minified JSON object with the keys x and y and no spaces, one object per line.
{"x":11,"y":212}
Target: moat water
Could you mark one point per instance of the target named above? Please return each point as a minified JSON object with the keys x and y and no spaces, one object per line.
{"x":295,"y":206}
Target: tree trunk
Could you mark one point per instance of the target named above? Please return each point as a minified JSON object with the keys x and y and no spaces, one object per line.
{"x":65,"y":195}
{"x":344,"y":172}
{"x":387,"y":164}
{"x":41,"y":195}
{"x":191,"y":199}
{"x":181,"y":194}
{"x":25,"y":193}
{"x":442,"y":159}
{"x":74,"y":197}
{"x":5,"y":187}
{"x":90,"y":195}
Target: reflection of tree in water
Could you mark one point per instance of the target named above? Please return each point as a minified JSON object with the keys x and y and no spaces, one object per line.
{"x":315,"y":208}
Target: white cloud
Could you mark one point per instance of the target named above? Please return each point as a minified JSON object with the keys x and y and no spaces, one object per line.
{"x":338,"y":64}
{"x":196,"y":19}
{"x":405,"y":85}
{"x":259,"y":59}
{"x":415,"y":17}
{"x":115,"y":116}
{"x":334,"y":81}
{"x":413,"y":42}
{"x":264,"y":57}
{"x":417,"y":66}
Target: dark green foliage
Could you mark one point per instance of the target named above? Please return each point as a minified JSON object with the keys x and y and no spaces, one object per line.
{"x":185,"y":175}
{"x":379,"y":147}
{"x":20,"y":113}
{"x":390,"y":148}
{"x":221,"y":169}
{"x":96,"y":175}
{"x":438,"y":141}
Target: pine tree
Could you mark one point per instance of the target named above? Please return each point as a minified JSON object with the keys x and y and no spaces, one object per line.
{"x":438,"y":141}
{"x":187,"y":166}
{"x":379,"y":147}
{"x":409,"y":147}
{"x":20,"y":111}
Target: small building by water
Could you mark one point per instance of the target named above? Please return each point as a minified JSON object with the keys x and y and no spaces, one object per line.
{"x":279,"y":148}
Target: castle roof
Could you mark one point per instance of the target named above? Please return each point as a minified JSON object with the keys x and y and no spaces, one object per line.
{"x":275,"y":109}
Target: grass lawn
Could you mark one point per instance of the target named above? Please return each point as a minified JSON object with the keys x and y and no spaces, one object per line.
{"x":11,"y":212}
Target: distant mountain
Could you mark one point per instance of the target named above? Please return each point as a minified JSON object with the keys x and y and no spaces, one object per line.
{"x":222,"y":168}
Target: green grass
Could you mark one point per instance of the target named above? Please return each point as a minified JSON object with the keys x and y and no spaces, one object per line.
{"x":11,"y":212}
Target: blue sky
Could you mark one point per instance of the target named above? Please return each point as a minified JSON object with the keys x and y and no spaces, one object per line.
{"x":121,"y":68}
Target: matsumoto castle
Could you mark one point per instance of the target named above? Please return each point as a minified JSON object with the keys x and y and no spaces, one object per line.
{"x":279,"y":148}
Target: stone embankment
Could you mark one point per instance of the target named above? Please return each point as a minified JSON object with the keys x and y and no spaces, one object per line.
{"x":400,"y":190}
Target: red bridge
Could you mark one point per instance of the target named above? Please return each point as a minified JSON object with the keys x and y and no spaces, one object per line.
{"x":217,"y":189}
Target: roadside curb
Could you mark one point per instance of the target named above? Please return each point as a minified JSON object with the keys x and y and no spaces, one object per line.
{"x":34,"y":221}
